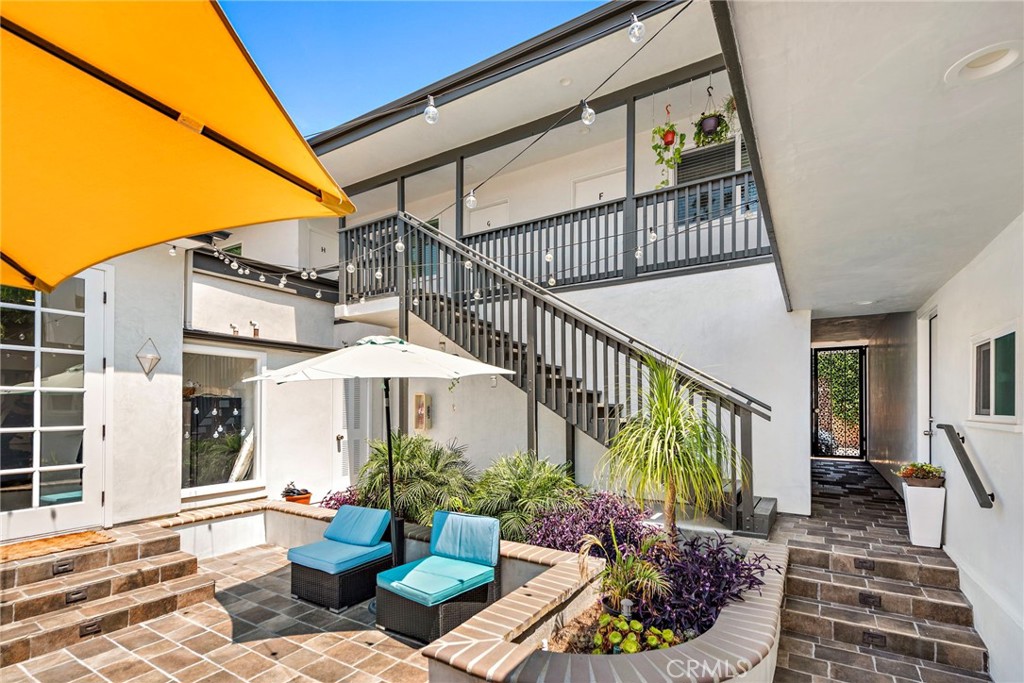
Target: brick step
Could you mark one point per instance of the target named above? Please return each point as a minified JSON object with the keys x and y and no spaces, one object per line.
{"x":39,"y":635}
{"x":82,"y":588}
{"x":923,"y":570}
{"x":957,"y":646}
{"x":131,"y":543}
{"x":881,"y":595}
{"x":805,"y":659}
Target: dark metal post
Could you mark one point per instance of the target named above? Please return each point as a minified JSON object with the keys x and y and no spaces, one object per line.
{"x":343,"y":257}
{"x":531,"y":373}
{"x":402,"y":283}
{"x":747,"y":474}
{"x":397,"y":528}
{"x":460,"y":206}
{"x":629,"y":205}
{"x":570,"y":449}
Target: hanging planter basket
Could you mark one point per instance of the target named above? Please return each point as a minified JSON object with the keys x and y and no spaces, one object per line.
{"x":713,"y":125}
{"x":709,"y":124}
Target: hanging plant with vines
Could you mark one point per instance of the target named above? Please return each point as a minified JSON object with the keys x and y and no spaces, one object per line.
{"x":667,"y":143}
{"x":712,"y":126}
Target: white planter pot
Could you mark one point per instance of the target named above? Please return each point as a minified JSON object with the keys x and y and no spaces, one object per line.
{"x":925,"y":507}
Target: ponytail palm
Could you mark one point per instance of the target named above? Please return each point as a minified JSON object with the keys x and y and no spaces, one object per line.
{"x":670,"y":449}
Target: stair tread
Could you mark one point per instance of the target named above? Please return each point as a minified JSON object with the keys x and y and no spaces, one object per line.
{"x":801,"y":656}
{"x":876,"y":620}
{"x":880,"y":584}
{"x":76,"y":614}
{"x":64,"y":583}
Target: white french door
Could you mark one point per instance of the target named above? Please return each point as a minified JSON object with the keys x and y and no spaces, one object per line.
{"x":51,"y":408}
{"x":350,"y":431}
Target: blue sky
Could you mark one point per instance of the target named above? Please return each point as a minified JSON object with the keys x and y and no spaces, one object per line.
{"x":329,"y":62}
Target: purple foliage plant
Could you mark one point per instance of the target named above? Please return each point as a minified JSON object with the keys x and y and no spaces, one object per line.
{"x":335,"y":499}
{"x":563,"y":528}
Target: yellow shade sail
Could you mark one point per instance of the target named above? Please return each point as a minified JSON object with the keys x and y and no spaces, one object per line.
{"x":128,"y":124}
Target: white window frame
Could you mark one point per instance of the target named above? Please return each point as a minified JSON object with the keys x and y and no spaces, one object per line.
{"x":209,"y":494}
{"x":990,"y":337}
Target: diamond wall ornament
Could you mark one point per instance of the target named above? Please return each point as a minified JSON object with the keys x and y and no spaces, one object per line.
{"x":148,"y":357}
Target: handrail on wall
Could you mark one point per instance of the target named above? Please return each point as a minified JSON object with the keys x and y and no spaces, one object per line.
{"x":985,"y":499}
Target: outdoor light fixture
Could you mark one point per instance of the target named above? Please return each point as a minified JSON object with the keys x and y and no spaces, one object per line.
{"x":985,"y":63}
{"x":471,"y":200}
{"x":350,"y":268}
{"x":304,"y":275}
{"x":234,"y":328}
{"x":399,"y":245}
{"x":588,"y":115}
{"x":636,"y":30}
{"x":319,"y":295}
{"x":148,"y":357}
{"x":263,"y":278}
{"x":313,"y":274}
{"x":173,"y":251}
{"x":430,"y":113}
{"x":255,"y":326}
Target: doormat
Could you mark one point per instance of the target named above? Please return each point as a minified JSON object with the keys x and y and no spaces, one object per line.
{"x":55,"y":544}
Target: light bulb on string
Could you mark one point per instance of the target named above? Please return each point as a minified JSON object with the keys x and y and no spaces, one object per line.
{"x":247,"y":271}
{"x":551,"y":281}
{"x":549,"y":257}
{"x":235,"y":411}
{"x":639,"y":253}
{"x":467,"y":264}
{"x":350,"y":268}
{"x":195,"y":411}
{"x":415,"y":301}
{"x":173,"y":251}
{"x":652,"y":235}
{"x":216,"y":435}
{"x":430,"y":113}
{"x":313,"y":275}
{"x":213,"y":412}
{"x":319,"y":294}
{"x":187,"y":436}
{"x":263,"y":278}
{"x":304,"y":275}
{"x":471,"y":200}
{"x":399,"y":245}
{"x":234,"y":265}
{"x":243,"y":431}
{"x":220,"y":428}
{"x":216,"y":252}
{"x":282,"y":282}
{"x":477,"y":295}
{"x":362,"y":299}
{"x":636,"y":30}
{"x":588,"y":115}
{"x":379,"y":274}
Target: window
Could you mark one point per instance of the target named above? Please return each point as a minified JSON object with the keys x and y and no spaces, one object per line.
{"x":219,"y":415}
{"x":42,"y":402}
{"x":995,"y":379}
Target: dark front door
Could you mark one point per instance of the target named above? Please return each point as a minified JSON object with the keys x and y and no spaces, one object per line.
{"x":838,"y":402}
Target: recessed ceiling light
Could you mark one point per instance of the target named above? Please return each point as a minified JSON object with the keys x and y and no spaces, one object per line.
{"x":985,"y":63}
{"x":865,"y":303}
{"x":566,"y":82}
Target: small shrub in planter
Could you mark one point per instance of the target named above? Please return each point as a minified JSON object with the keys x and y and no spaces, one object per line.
{"x":617,"y":635}
{"x":293,"y":494}
{"x":564,"y":527}
{"x":704,"y":575}
{"x":628,"y":572}
{"x":335,"y":499}
{"x":922,"y":474}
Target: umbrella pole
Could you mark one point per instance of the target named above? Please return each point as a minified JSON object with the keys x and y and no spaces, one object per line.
{"x":397,"y":538}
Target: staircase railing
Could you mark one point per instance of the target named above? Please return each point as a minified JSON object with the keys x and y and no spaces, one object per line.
{"x":712,"y":220}
{"x":584,"y":369}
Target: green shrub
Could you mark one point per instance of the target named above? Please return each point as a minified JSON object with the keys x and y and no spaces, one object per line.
{"x":428,"y":477}
{"x":517,"y":488}
{"x":620,"y":635}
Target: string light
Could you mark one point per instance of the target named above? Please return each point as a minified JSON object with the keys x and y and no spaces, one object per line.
{"x":467,"y":264}
{"x":416,"y":301}
{"x":636,"y":30}
{"x":313,"y":275}
{"x":195,"y":411}
{"x":430,"y":113}
{"x":379,"y":274}
{"x":213,"y":412}
{"x":263,"y":278}
{"x":399,"y":245}
{"x":283,"y":281}
{"x":639,"y":253}
{"x":173,"y":251}
{"x":471,"y":200}
{"x":319,"y":294}
{"x":235,"y":411}
{"x":304,"y":275}
{"x":551,"y":281}
{"x":549,"y":257}
{"x":477,"y":295}
{"x":362,"y":299}
{"x":350,"y":268}
{"x":588,"y":115}
{"x":652,"y":235}
{"x":234,"y":265}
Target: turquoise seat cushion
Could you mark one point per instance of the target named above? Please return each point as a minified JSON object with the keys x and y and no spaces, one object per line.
{"x":334,"y":557}
{"x":433,"y":579}
{"x":358,"y":525}
{"x":465,"y":537}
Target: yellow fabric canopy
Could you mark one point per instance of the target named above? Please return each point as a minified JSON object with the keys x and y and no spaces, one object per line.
{"x":128,"y":124}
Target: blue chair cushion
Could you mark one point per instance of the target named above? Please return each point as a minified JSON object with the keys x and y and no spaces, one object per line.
{"x":358,"y":525}
{"x":465,"y":537}
{"x":334,"y":557}
{"x":433,"y":579}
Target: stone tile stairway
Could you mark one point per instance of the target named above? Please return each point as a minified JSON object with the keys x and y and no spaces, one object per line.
{"x":58,"y":600}
{"x":862,"y":604}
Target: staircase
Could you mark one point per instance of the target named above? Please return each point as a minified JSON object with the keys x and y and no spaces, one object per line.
{"x":861,"y":603}
{"x":583,"y":369}
{"x":55,"y":601}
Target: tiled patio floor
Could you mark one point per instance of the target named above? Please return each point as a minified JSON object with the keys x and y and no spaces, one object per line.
{"x":253,"y":631}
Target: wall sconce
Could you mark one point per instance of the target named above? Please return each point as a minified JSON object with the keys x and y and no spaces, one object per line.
{"x":441,"y":345}
{"x":494,"y":381}
{"x":148,"y":357}
{"x":255,"y":328}
{"x":234,"y":329}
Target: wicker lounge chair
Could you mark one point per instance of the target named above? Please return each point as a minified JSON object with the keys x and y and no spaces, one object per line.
{"x":427,"y":598}
{"x":341,"y":570}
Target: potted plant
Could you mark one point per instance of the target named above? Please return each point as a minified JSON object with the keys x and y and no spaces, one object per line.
{"x":925,"y":498}
{"x":295,"y":495}
{"x":713,"y":124}
{"x":617,"y":635}
{"x":625,"y":574}
{"x":670,"y":449}
{"x":667,"y":143}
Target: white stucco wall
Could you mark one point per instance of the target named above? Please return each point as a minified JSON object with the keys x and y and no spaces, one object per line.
{"x":733,"y":325}
{"x":143,"y":442}
{"x":986,"y":544}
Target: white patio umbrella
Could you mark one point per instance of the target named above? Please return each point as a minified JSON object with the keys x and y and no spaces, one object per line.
{"x":385,"y":358}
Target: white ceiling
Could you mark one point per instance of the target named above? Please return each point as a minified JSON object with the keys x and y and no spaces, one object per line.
{"x":883,"y":180}
{"x":532,"y":94}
